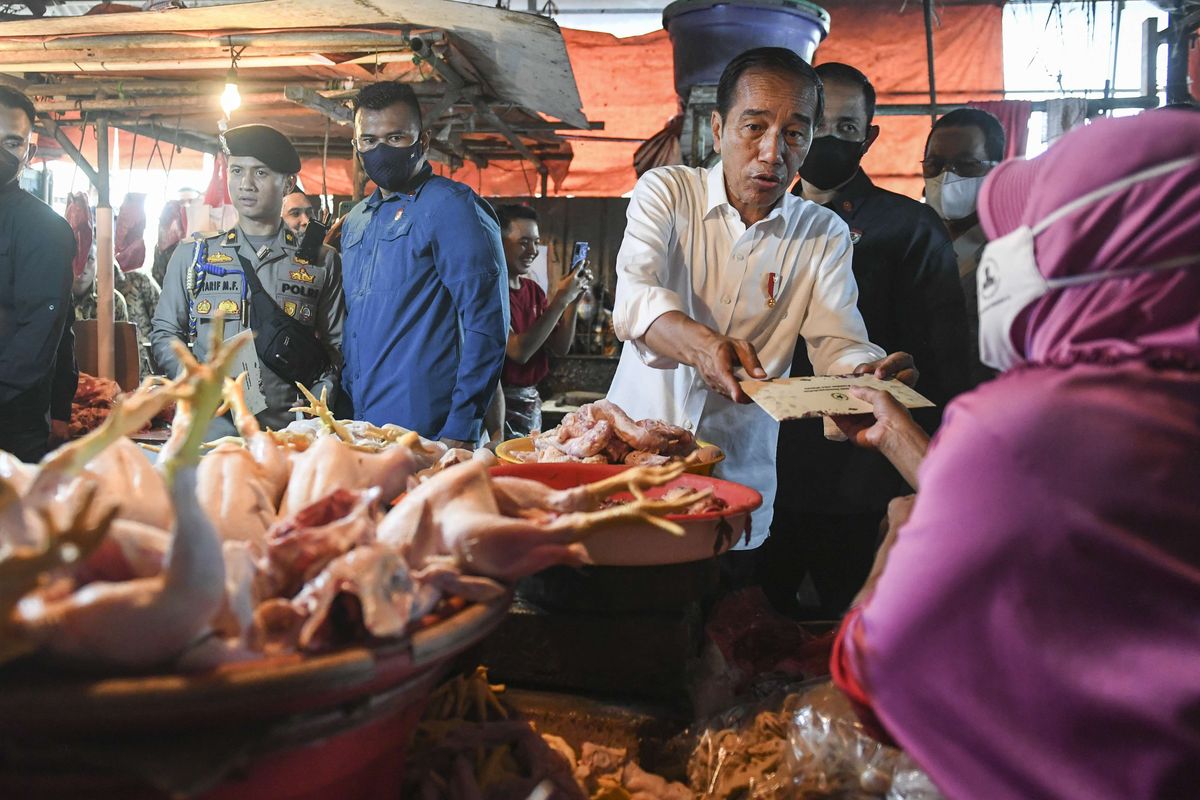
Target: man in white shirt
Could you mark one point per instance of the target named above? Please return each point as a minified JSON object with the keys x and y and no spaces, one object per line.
{"x":721,"y":269}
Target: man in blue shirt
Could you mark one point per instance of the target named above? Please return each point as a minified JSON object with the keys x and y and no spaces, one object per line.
{"x":426,"y":293}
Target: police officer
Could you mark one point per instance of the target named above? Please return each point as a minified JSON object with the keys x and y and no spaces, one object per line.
{"x":205,"y":276}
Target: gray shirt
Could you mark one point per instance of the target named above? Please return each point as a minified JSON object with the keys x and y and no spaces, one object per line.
{"x":192,"y":294}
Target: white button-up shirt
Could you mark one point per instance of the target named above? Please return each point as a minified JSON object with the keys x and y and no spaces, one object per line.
{"x":686,"y":249}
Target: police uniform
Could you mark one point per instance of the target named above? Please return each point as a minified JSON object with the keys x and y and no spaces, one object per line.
{"x":205,"y":277}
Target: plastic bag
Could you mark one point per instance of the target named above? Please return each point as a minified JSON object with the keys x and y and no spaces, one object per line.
{"x":830,"y":755}
{"x":741,"y":753}
{"x":803,"y":742}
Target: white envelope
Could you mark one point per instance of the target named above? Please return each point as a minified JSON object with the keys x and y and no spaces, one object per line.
{"x":824,"y":395}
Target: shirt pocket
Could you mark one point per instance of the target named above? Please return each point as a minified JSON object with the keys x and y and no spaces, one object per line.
{"x":354,"y":264}
{"x":397,"y":264}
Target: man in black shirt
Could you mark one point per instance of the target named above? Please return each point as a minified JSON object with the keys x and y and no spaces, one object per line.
{"x":831,"y":494}
{"x":36,"y":249}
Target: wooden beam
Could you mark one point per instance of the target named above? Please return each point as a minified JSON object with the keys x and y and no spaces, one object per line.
{"x":149,"y":87}
{"x":106,"y":357}
{"x":69,"y":147}
{"x":192,"y":140}
{"x":424,"y":49}
{"x":324,"y":106}
{"x":485,"y":110}
{"x":156,"y":103}
{"x":321,"y":41}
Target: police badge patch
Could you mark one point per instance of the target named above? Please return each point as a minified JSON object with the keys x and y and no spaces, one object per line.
{"x":306,"y":313}
{"x":203,"y":307}
{"x":302,"y":275}
{"x":218,"y":258}
{"x":855,"y":236}
{"x":289,"y":308}
{"x":228,"y":306}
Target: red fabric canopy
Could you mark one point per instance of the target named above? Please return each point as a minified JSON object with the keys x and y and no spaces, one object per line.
{"x":628,"y":85}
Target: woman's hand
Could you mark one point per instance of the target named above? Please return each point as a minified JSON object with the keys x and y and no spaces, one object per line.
{"x":890,"y":429}
{"x":874,"y":431}
{"x":898,"y":512}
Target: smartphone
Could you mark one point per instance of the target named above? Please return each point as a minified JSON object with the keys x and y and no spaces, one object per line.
{"x":314,"y":237}
{"x":579,"y":256}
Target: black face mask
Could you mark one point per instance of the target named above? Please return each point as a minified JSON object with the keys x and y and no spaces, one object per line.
{"x":392,"y":167}
{"x":10,"y":165}
{"x":831,"y":161}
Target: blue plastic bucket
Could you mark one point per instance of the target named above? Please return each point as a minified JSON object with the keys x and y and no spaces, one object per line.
{"x":707,"y":34}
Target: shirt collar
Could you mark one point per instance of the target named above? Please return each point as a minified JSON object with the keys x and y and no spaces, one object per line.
{"x":970,"y":242}
{"x":411,"y":192}
{"x":848,"y":199}
{"x":717,"y":197}
{"x":715,"y":183}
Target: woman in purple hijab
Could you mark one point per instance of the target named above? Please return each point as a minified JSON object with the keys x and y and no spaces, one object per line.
{"x":1033,"y":629}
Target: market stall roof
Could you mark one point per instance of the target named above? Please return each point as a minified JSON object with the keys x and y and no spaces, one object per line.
{"x":494,"y":84}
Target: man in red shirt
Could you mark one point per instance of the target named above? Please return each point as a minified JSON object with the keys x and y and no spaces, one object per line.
{"x":538,"y":327}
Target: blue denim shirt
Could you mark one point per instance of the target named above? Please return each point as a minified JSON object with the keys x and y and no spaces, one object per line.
{"x":426,"y":309}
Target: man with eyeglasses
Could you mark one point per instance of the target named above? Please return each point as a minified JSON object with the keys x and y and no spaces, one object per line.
{"x":37,"y":247}
{"x":426,"y":292}
{"x":540,"y":327}
{"x":827,"y":523}
{"x":963,"y":147}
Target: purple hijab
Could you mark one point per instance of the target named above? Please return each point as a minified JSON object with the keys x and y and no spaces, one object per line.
{"x":1036,"y":630}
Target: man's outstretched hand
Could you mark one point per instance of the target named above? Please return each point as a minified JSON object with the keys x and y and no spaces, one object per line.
{"x":897,"y":365}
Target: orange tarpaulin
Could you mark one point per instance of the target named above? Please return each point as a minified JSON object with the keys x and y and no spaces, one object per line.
{"x":628,"y":84}
{"x":889,"y":47}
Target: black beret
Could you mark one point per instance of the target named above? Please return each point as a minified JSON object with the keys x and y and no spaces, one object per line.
{"x":264,"y":143}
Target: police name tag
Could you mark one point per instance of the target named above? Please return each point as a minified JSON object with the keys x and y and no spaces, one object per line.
{"x":246,"y":361}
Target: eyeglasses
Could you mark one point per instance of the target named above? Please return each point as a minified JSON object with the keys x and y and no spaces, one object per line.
{"x":962,"y":167}
{"x":364,"y":144}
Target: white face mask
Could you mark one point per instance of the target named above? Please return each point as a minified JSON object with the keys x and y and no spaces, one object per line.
{"x":952,"y":196}
{"x":1009,"y":280}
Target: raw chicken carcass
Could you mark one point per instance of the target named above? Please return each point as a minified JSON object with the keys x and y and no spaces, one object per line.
{"x":130,"y":550}
{"x":22,"y":567}
{"x":48,"y":485}
{"x":124,"y":473}
{"x":151,"y":621}
{"x":455,"y":517}
{"x":145,"y":622}
{"x":389,"y":598}
{"x":652,"y":435}
{"x":335,"y":462}
{"x":299,"y":547}
{"x":519,"y":496}
{"x":332,"y":464}
{"x":243,"y":483}
{"x":644,"y":458}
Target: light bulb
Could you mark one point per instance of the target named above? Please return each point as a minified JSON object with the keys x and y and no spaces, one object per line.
{"x":230,"y":98}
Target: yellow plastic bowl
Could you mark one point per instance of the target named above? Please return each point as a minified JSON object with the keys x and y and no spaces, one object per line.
{"x":506,"y":451}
